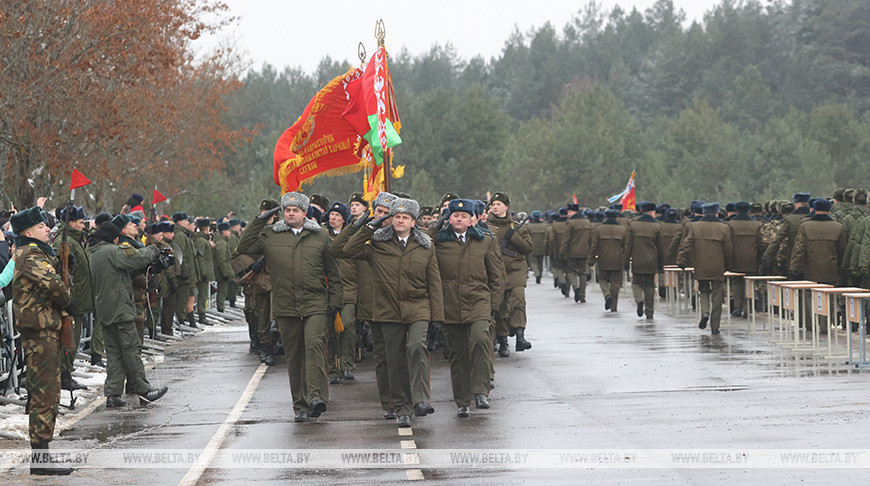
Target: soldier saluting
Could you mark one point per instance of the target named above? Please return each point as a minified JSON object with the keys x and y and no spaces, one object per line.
{"x":40,"y":298}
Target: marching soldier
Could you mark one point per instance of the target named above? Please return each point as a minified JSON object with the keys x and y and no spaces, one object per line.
{"x":80,"y":289}
{"x":819,"y":249}
{"x":788,"y":231}
{"x":112,"y":266}
{"x":472,"y":276}
{"x":223,"y":271}
{"x":747,"y":246}
{"x":558,"y":262}
{"x":202,"y":242}
{"x":670,"y":227}
{"x":365,"y":300}
{"x":608,"y":252}
{"x":538,"y":232}
{"x":40,"y":299}
{"x":709,"y":240}
{"x":342,"y":342}
{"x":575,"y":250}
{"x":189,"y":272}
{"x":306,"y":287}
{"x":644,"y":250}
{"x":407,"y":284}
{"x":515,"y":243}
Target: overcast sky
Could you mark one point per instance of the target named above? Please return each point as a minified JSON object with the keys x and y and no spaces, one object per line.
{"x":301,"y":33}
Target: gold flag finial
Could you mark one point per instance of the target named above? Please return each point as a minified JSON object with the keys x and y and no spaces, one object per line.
{"x":380,"y":32}
{"x":361,"y":52}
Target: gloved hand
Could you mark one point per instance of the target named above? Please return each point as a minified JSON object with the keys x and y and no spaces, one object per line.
{"x":439,"y":223}
{"x":71,"y":307}
{"x":363,"y":219}
{"x":72,"y":262}
{"x":256,"y":267}
{"x":268,"y":214}
{"x":378,"y":222}
{"x":432,"y":335}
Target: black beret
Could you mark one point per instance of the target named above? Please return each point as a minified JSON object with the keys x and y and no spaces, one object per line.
{"x":319,"y":200}
{"x":267,"y":204}
{"x":502,"y":197}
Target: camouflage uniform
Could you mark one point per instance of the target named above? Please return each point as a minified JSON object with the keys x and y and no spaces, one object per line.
{"x":39,"y":297}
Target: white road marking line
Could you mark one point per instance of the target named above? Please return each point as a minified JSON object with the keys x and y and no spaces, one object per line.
{"x":408,"y":444}
{"x":414,"y":474}
{"x":218,"y":438}
{"x":406,"y":431}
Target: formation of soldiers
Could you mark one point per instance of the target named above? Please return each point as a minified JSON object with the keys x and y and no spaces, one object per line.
{"x":324,"y":283}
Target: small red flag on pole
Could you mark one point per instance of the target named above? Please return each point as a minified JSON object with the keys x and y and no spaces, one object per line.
{"x":575,"y":199}
{"x":157,"y":197}
{"x":78,"y":180}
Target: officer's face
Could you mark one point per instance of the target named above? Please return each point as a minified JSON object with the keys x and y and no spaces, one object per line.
{"x":460,"y":221}
{"x":357,"y":208}
{"x":293,"y":217}
{"x":157,"y":237}
{"x":39,"y":232}
{"x":169,"y":235}
{"x":336,"y":220}
{"x":131,"y":230}
{"x":402,"y":223}
{"x":78,"y":224}
{"x":383,"y":211}
{"x":498,"y":208}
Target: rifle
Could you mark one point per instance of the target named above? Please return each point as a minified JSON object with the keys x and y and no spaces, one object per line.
{"x":507,"y":237}
{"x":249,"y":276}
{"x":67,"y":340}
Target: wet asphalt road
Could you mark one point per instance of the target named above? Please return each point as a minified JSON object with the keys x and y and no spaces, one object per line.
{"x":593,"y":379}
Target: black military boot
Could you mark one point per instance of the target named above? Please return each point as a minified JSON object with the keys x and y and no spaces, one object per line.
{"x":522,"y":344}
{"x":97,"y":360}
{"x":607,"y":302}
{"x":555,"y":283}
{"x":538,"y":280}
{"x":152,"y":394}
{"x":566,"y":290}
{"x":204,"y":321}
{"x":67,"y":382}
{"x":640,"y":309}
{"x":191,"y":321}
{"x":268,"y":356}
{"x":41,"y":462}
{"x":503,"y":346}
{"x":704,"y":318}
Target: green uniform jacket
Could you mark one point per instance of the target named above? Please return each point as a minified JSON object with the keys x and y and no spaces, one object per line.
{"x":556,"y":238}
{"x":362,"y":274}
{"x":578,"y":237}
{"x":111,"y":268}
{"x":787,"y":232}
{"x":669,"y":231}
{"x":746,"y":243}
{"x":644,"y":246}
{"x":299,"y":267}
{"x":608,"y":246}
{"x":710,"y":240}
{"x":406,"y":283}
{"x":854,"y":231}
{"x":472,"y":275}
{"x":80,"y":275}
{"x":160,"y":282}
{"x":189,"y":273}
{"x":538,"y":232}
{"x":519,"y":245}
{"x":222,"y":255}
{"x":39,"y":294}
{"x":347,"y":268}
{"x":204,"y":257}
{"x":819,"y":249}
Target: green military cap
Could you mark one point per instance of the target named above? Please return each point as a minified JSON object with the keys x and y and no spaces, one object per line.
{"x":786,"y":207}
{"x":448,"y":197}
{"x":860,"y":196}
{"x":357,"y":197}
{"x":756,"y":208}
{"x":838,"y":193}
{"x":501,"y":197}
{"x":320,"y":200}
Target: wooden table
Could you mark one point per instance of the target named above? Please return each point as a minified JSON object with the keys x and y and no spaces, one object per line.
{"x":750,"y":297}
{"x":824,"y":305}
{"x":855,"y":313}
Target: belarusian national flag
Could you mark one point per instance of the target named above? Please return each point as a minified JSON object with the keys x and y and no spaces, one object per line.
{"x":371,"y":109}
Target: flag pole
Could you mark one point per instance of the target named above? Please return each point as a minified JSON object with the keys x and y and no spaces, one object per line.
{"x":380,"y":35}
